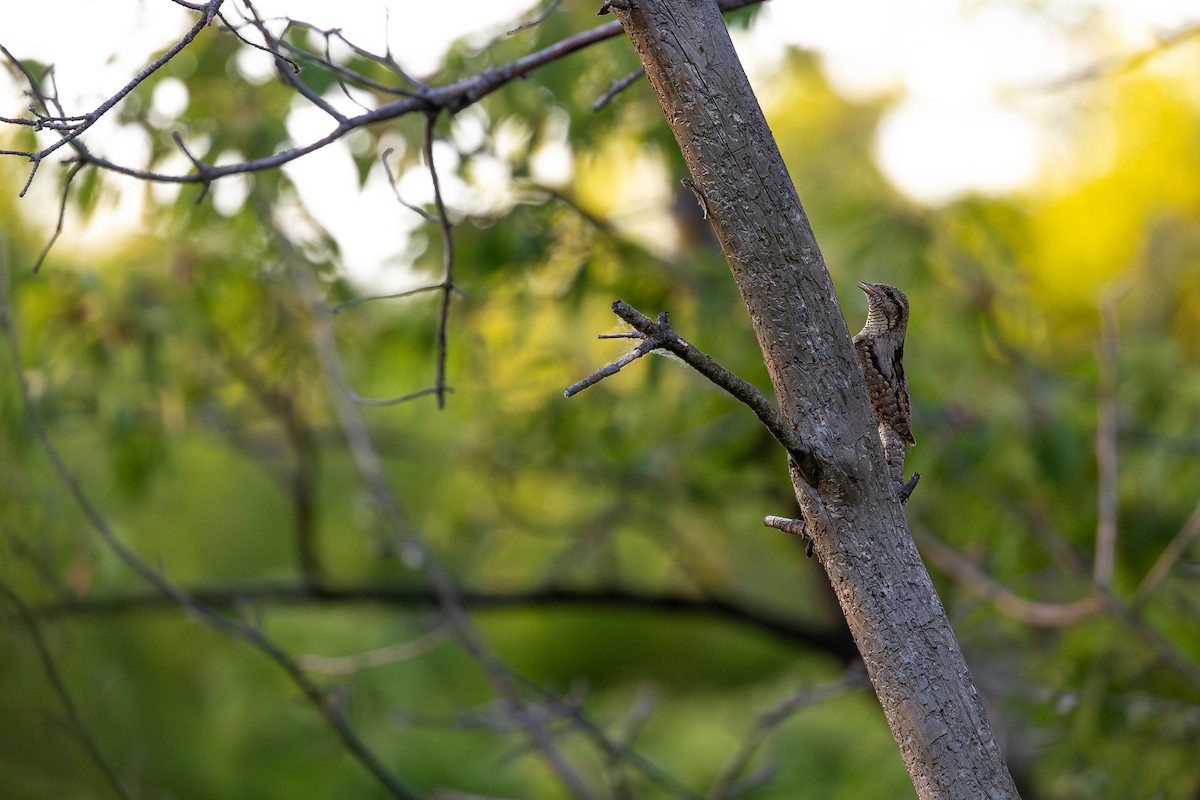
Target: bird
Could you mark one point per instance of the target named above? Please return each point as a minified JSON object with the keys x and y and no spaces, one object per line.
{"x":880,"y":350}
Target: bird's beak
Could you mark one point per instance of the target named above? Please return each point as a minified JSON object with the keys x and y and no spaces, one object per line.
{"x":870,"y":289}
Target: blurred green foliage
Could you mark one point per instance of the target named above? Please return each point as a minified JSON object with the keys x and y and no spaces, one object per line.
{"x":176,"y":372}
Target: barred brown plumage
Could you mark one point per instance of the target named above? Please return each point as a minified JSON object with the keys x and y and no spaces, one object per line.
{"x":880,"y":349}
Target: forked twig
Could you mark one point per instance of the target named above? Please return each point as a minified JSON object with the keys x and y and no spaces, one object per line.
{"x":659,"y":336}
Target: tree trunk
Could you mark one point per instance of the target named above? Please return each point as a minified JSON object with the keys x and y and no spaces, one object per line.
{"x":850,"y":504}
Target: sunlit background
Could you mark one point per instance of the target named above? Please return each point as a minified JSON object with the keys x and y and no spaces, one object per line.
{"x":983,"y":96}
{"x":1028,"y":172}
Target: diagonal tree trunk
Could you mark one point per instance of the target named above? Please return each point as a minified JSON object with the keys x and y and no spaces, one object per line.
{"x":849,"y":501}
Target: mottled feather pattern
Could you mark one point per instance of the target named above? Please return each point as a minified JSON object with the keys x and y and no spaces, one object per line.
{"x":880,"y":350}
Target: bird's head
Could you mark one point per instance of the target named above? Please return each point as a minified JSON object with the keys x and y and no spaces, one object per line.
{"x":887,"y":308}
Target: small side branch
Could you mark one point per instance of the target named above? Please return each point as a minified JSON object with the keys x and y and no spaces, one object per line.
{"x":447,"y":284}
{"x":539,"y":19}
{"x":658,"y":335}
{"x":616,"y":87}
{"x":452,"y":97}
{"x":735,"y":777}
{"x":71,"y":128}
{"x":648,"y":346}
{"x":795,"y":527}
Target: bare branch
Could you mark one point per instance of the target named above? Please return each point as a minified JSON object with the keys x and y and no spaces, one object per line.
{"x":78,"y":727}
{"x":202,"y":169}
{"x":386,"y":61}
{"x":659,"y":336}
{"x":290,"y":75}
{"x":332,"y":712}
{"x":398,"y":399}
{"x":391,"y":177}
{"x":795,"y":527}
{"x":833,"y":641}
{"x":379,"y":657}
{"x":71,"y":128}
{"x":550,"y":8}
{"x":72,"y":171}
{"x":447,"y":284}
{"x":648,"y":346}
{"x":358,"y":301}
{"x":726,"y":783}
{"x":300,"y":482}
{"x":1055,"y":615}
{"x":616,"y":87}
{"x":265,"y":48}
{"x":451,"y":97}
{"x":1008,"y":602}
{"x":1169,"y":557}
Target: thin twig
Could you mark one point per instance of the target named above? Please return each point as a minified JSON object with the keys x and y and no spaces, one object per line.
{"x":291,"y":75}
{"x":452,"y":97}
{"x":726,"y":783}
{"x":1169,"y":557}
{"x":1008,"y":602}
{"x":608,"y":370}
{"x":71,"y":128}
{"x":379,"y":657}
{"x":80,"y":729}
{"x":616,"y":751}
{"x":387,"y":61}
{"x":659,"y":336}
{"x":202,"y":169}
{"x":370,"y":298}
{"x":333,"y":713}
{"x":62,"y":215}
{"x":275,"y":54}
{"x":391,"y":177}
{"x":447,"y":283}
{"x":1056,"y":615}
{"x":539,"y":18}
{"x":398,"y":399}
{"x":616,"y":87}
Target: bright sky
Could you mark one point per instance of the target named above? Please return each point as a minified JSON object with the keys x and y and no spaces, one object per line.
{"x":958,"y":126}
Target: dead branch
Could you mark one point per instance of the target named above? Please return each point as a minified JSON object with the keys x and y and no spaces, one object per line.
{"x":658,"y":335}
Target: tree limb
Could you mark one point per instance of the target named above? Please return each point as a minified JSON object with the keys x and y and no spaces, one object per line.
{"x":659,"y":336}
{"x":853,"y":511}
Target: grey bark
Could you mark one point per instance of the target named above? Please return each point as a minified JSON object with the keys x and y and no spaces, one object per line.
{"x":860,"y":533}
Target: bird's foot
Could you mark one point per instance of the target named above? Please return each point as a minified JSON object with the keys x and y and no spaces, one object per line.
{"x":907,"y":487}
